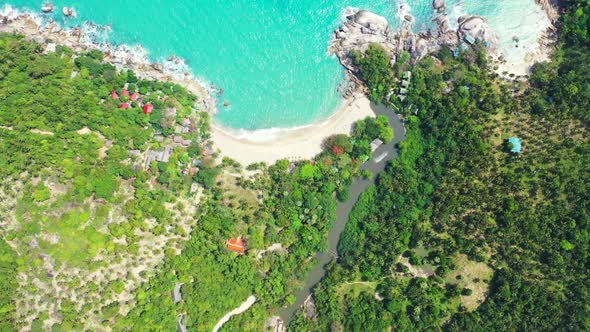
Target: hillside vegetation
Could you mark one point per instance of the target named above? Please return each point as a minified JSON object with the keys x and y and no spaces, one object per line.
{"x":106,"y":208}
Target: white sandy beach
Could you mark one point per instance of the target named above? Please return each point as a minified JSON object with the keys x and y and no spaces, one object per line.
{"x":293,"y":144}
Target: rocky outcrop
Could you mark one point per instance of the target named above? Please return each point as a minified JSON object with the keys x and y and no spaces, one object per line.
{"x":47,"y":7}
{"x":363,"y":28}
{"x":374,"y":23}
{"x":69,"y":12}
{"x":477,"y":28}
{"x":551,"y":7}
{"x":439,"y":6}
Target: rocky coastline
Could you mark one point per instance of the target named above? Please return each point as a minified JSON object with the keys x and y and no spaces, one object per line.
{"x":49,"y":33}
{"x":551,"y":7}
{"x":362,"y":28}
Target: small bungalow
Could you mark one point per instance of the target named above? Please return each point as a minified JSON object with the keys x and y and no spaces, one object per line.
{"x":515,"y":145}
{"x":135,"y":153}
{"x":148,"y":108}
{"x":181,"y":129}
{"x":124,"y":106}
{"x":407,"y":75}
{"x":125,"y":93}
{"x":405,"y":83}
{"x":237,"y":245}
{"x":469,"y":39}
{"x":161,"y":156}
{"x":134,"y":96}
{"x":403,"y":91}
{"x":114,"y":95}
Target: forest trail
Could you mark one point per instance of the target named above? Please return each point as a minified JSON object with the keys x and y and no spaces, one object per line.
{"x":42,"y":132}
{"x":243,"y":307}
{"x":274,"y":247}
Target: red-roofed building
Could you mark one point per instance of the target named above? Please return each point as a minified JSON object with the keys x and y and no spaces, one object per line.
{"x":134,"y":96}
{"x":114,"y":95}
{"x":126,"y":93}
{"x":124,"y":106}
{"x":148,"y":108}
{"x":236,"y":245}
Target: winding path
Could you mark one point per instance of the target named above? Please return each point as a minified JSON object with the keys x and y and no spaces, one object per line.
{"x":343,"y":209}
{"x":243,"y":307}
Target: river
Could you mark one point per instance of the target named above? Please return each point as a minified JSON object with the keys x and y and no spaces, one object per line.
{"x":343,"y":209}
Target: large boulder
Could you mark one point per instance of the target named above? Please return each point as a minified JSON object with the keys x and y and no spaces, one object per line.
{"x":371,"y":21}
{"x":438,"y":5}
{"x":477,"y":28}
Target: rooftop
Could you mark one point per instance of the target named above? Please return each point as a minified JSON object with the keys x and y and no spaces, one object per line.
{"x":515,"y":144}
{"x":236,"y":245}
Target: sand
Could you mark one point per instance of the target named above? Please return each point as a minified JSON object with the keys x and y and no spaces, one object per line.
{"x":292,"y":144}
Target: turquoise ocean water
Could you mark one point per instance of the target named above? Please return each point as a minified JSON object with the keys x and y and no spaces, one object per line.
{"x":269,"y":56}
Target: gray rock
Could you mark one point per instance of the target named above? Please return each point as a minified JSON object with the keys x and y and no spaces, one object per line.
{"x":477,"y":27}
{"x":371,"y":21}
{"x":158,"y":67}
{"x":69,"y":12}
{"x":47,"y":7}
{"x":439,"y":5}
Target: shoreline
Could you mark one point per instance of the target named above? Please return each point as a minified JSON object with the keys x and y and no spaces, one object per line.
{"x":244,"y":146}
{"x":49,"y":34}
{"x":290,"y":143}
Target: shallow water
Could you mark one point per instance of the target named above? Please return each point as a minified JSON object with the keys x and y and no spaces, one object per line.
{"x":270,"y":56}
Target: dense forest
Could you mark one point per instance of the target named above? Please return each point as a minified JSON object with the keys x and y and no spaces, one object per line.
{"x":460,"y":234}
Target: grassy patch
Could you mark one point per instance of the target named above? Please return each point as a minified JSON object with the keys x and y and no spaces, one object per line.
{"x":354,"y":289}
{"x":471,"y":275}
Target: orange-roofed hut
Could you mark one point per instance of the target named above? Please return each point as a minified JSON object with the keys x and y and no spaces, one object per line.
{"x":236,"y":245}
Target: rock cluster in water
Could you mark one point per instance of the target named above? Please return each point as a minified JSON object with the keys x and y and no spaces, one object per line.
{"x":69,"y":12}
{"x":363,"y":28}
{"x":47,"y":7}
